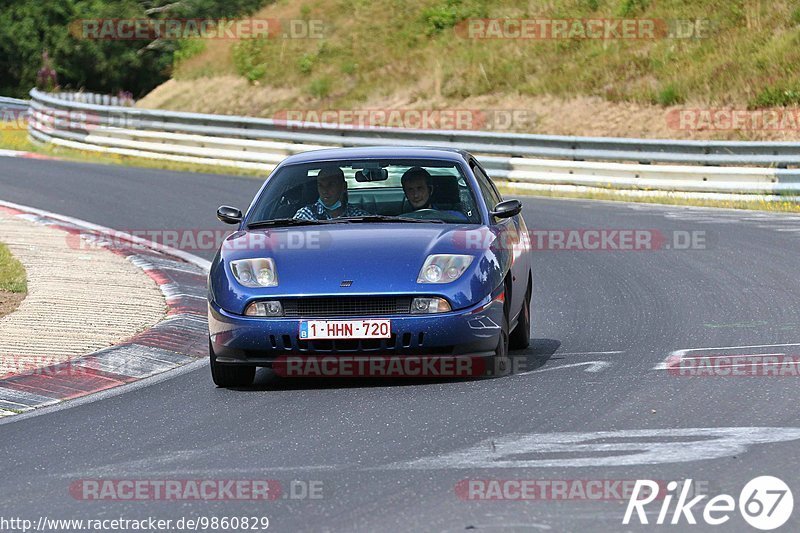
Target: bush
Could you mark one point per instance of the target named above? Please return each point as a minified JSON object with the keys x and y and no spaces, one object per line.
{"x":321,"y":87}
{"x":248,"y":59}
{"x":306,"y":63}
{"x":669,"y":95}
{"x":447,"y":15}
{"x":187,"y":48}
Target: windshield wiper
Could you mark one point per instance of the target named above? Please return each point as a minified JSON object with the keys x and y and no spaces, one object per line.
{"x":384,"y":218}
{"x":285,"y":222}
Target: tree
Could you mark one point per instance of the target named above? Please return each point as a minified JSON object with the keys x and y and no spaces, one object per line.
{"x":28,"y":28}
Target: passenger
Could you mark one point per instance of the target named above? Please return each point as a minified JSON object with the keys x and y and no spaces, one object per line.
{"x":332,"y":202}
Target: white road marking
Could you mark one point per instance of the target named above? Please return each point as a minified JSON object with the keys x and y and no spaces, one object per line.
{"x":589,"y":353}
{"x":782,"y":227}
{"x":677,"y":355}
{"x":592,"y":449}
{"x":11,"y":153}
{"x":506,"y":525}
{"x":593,"y":366}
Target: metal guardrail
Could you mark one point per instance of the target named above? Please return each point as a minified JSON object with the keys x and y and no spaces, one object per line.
{"x":13,"y":104}
{"x":258,"y":143}
{"x":94,"y":98}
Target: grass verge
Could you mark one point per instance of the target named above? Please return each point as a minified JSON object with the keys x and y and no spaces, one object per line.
{"x":13,"y":283}
{"x":12,"y":274}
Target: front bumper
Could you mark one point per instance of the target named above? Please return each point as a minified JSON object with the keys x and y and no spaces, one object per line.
{"x":259,"y":341}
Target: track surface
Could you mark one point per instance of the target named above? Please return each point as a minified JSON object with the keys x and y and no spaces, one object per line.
{"x":358,"y":438}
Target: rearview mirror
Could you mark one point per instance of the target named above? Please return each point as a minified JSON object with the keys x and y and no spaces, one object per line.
{"x":507,"y":209}
{"x":229,"y":215}
{"x":372,"y":174}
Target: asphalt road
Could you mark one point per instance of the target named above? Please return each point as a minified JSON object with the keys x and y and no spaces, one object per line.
{"x":390,"y":456}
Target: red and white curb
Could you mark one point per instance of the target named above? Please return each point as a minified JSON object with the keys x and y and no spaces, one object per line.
{"x":179,"y":339}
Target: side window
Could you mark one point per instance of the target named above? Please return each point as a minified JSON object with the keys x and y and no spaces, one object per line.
{"x":488,"y":191}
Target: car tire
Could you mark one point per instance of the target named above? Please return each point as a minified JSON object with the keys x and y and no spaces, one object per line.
{"x":230,"y":375}
{"x":520,"y":338}
{"x":501,"y":364}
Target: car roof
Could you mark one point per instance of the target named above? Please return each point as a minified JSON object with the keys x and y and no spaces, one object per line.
{"x":378,"y":152}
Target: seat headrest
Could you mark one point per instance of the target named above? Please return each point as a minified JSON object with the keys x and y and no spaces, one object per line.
{"x":445,"y":190}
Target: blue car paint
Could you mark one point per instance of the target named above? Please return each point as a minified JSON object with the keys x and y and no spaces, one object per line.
{"x":380,"y":258}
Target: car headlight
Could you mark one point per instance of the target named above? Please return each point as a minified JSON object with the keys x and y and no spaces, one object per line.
{"x":255,"y":272}
{"x":443,"y":268}
{"x":270,"y":308}
{"x":429,"y":305}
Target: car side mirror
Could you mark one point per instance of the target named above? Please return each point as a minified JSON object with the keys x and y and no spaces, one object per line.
{"x":507,"y":209}
{"x":229,"y":215}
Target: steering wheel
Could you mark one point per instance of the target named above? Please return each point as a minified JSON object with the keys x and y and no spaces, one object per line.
{"x":424,"y":214}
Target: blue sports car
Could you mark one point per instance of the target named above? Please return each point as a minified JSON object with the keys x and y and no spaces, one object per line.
{"x":379,"y":253}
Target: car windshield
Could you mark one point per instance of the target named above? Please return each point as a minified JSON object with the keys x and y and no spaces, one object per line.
{"x":367,"y":191}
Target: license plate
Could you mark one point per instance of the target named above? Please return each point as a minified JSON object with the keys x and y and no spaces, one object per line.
{"x":345,"y":329}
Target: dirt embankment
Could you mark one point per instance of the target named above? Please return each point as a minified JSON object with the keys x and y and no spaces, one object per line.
{"x":581,"y":115}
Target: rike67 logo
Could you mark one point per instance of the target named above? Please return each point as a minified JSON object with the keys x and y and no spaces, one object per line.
{"x":765,"y":503}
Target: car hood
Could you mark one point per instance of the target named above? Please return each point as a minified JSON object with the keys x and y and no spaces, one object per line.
{"x":377,"y":258}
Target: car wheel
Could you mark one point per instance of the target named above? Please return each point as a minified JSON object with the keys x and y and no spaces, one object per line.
{"x":230,"y":375}
{"x":520,"y":338}
{"x":500,"y":362}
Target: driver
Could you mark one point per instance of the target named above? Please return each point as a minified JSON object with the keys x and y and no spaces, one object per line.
{"x":418,"y":186}
{"x":332,"y":202}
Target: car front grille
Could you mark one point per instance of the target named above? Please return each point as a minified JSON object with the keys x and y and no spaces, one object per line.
{"x":361,"y":306}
